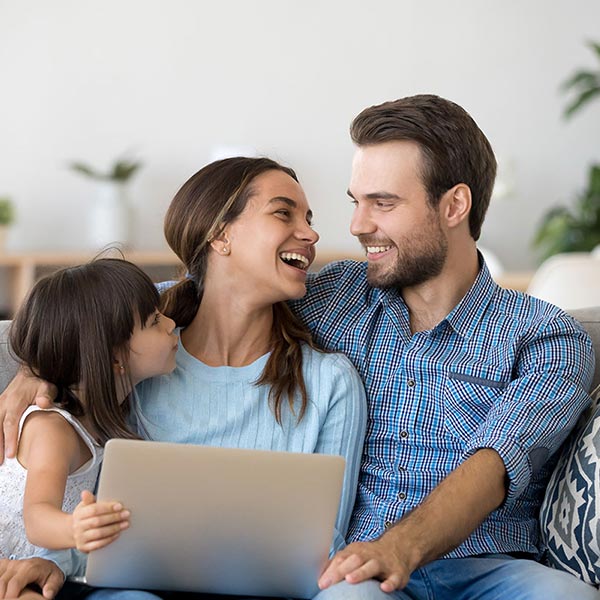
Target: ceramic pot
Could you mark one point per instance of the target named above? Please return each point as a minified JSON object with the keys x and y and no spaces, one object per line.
{"x":110,"y":216}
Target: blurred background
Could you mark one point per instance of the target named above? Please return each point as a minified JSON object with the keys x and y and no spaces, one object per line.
{"x":174,"y":84}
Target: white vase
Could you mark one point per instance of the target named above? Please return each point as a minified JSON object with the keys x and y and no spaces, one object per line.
{"x":110,"y":216}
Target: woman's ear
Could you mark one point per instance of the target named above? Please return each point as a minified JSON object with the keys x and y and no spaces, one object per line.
{"x":457,"y":204}
{"x":220,"y":242}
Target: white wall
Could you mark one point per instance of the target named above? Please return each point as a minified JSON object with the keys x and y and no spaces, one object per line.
{"x":172,"y":79}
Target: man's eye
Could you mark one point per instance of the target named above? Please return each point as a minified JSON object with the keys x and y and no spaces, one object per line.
{"x":157,"y":317}
{"x":283,"y":212}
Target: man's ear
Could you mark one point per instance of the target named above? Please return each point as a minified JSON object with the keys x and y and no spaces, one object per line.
{"x":456,"y":205}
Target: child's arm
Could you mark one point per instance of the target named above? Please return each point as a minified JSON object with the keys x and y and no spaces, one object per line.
{"x":50,"y":449}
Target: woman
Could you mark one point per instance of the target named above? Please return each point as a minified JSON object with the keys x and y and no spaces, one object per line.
{"x":248,"y":374}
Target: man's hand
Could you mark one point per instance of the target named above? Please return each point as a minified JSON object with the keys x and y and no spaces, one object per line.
{"x":380,"y":559}
{"x":97,"y":524}
{"x":23,"y":391}
{"x":447,"y":516}
{"x":16,"y":575}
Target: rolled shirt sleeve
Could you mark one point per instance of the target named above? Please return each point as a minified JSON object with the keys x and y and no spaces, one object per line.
{"x":535,"y":412}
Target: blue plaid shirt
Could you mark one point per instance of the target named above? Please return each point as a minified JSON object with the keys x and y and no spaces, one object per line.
{"x":503,"y":370}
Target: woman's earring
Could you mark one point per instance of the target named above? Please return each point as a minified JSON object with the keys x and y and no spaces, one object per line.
{"x":225,"y":250}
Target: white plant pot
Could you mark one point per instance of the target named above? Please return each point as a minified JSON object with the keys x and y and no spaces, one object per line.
{"x":110,"y":216}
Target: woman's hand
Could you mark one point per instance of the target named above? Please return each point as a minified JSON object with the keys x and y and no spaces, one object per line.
{"x":23,"y":391}
{"x":97,"y":524}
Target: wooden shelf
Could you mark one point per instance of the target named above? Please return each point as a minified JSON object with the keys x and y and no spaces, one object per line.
{"x":25,"y":268}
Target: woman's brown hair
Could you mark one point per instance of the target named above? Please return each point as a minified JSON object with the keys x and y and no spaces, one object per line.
{"x":69,"y":329}
{"x":213,"y":197}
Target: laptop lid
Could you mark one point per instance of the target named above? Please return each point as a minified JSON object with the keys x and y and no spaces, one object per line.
{"x":218,"y":520}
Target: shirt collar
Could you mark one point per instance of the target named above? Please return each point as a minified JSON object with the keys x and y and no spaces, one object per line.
{"x":465,"y":316}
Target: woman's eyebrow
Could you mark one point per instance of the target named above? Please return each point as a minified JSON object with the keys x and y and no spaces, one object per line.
{"x":289,"y":202}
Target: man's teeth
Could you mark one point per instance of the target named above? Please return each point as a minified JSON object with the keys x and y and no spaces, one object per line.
{"x":290,"y":256}
{"x":377,"y":249}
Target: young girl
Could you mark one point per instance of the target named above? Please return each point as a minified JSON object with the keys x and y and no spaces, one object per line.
{"x":94,"y":332}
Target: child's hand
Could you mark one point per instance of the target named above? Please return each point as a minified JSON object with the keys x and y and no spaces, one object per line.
{"x":97,"y":524}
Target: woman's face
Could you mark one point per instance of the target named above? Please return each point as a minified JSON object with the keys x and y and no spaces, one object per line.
{"x":271,"y":244}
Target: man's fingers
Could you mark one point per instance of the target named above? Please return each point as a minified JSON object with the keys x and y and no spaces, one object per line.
{"x":45,"y":394}
{"x":393,"y":582}
{"x":339,"y":567}
{"x":52,"y":584}
{"x":10,"y":434}
{"x":367,"y":570}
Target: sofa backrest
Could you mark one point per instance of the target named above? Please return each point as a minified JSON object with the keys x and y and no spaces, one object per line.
{"x":8,"y":366}
{"x":588,"y":317}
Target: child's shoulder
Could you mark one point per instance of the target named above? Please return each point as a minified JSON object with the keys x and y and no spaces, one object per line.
{"x":48,"y":431}
{"x":46,"y":418}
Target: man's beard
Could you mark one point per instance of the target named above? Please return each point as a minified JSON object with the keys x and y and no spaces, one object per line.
{"x":421,"y":258}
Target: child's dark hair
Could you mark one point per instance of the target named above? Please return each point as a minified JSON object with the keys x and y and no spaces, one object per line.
{"x":70,"y":327}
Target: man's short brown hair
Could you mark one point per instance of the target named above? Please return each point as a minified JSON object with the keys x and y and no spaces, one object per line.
{"x":453,"y":148}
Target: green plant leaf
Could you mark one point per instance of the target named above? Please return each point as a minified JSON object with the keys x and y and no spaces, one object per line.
{"x":124,"y":170}
{"x":583,"y":98}
{"x":86,"y":170}
{"x":581,"y":77}
{"x":7,"y":211}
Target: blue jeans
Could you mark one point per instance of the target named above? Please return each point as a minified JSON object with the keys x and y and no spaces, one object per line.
{"x":491,"y":577}
{"x":75,"y":591}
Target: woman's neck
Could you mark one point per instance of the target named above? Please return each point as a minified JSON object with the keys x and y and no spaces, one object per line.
{"x":226,"y":332}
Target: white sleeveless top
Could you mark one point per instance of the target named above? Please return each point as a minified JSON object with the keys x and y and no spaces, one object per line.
{"x":13,"y":541}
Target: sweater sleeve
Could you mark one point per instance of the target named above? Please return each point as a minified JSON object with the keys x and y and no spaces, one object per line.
{"x":343,"y":431}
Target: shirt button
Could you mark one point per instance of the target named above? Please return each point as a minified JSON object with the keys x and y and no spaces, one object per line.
{"x":404,"y":434}
{"x":388,"y":524}
{"x":401,"y":469}
{"x":402,"y":496}
{"x":411,"y":383}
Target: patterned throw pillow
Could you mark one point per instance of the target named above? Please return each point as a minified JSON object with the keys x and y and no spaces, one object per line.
{"x":570,"y":514}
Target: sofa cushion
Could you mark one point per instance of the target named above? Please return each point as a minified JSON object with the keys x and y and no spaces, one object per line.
{"x":570,"y":512}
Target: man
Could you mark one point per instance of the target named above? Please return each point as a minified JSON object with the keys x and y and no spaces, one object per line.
{"x":471,"y":388}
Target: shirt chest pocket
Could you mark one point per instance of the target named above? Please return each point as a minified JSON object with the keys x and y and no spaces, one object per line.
{"x":468,"y":398}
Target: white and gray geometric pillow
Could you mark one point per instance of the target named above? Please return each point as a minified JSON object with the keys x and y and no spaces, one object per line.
{"x":570,"y":513}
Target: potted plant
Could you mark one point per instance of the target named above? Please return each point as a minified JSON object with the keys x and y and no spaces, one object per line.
{"x":110,"y":213}
{"x":7,"y":216}
{"x":576,"y":229}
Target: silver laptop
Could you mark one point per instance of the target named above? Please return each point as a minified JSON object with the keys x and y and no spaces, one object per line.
{"x":218,"y":520}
